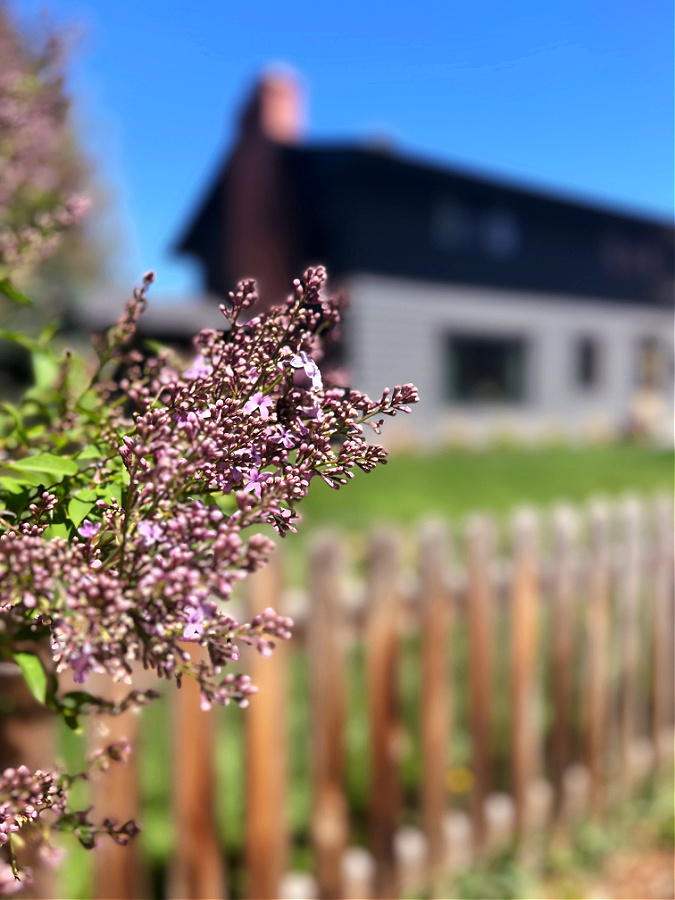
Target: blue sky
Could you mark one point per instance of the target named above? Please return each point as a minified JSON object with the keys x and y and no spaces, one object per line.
{"x":573,"y":96}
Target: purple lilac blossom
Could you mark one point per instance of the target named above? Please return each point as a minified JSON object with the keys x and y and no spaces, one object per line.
{"x":82,"y":664}
{"x":208,"y":412}
{"x":194,"y":627}
{"x":260,"y":402}
{"x":228,"y":482}
{"x":302,"y":361}
{"x":200,"y":368}
{"x":255,"y":481}
{"x":314,"y":412}
{"x":150,"y":531}
{"x":88,"y":529}
{"x":284,"y":437}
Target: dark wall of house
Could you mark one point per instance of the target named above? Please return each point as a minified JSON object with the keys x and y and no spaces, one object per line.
{"x":366,"y":212}
{"x":357,"y":210}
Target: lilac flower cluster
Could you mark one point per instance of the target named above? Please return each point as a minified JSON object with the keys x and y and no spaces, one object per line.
{"x":204,"y":457}
{"x":38,"y":170}
{"x":148,"y":516}
{"x":33,"y":805}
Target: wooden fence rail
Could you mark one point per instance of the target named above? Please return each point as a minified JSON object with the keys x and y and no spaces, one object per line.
{"x":578,"y":607}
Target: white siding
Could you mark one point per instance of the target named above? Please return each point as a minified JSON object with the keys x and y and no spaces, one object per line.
{"x":397,"y":332}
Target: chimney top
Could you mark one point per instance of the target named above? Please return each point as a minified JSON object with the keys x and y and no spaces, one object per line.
{"x":276,"y":108}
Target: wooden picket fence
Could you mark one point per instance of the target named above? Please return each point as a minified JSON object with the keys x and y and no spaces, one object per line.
{"x":578,"y":605}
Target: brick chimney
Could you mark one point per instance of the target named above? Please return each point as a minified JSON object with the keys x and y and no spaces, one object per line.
{"x":259,"y":238}
{"x":276,"y":108}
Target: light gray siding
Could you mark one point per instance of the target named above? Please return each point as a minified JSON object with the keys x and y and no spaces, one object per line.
{"x":398,"y":332}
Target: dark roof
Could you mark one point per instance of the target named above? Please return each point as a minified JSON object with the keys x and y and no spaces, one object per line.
{"x":360,"y":210}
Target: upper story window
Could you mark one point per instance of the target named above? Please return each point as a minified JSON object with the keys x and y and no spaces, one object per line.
{"x":452,"y":225}
{"x":500,"y":234}
{"x":587,"y":362}
{"x":622,"y":256}
{"x":458,"y":226}
{"x":486,"y":369}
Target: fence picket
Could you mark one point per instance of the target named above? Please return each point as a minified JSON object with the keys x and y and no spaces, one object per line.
{"x":118,"y":874}
{"x":326,"y":651}
{"x":198,"y":869}
{"x":523,"y":663}
{"x":500,"y":817}
{"x":266,"y":720}
{"x":480,"y":614}
{"x":562,"y":598}
{"x":411,"y":849}
{"x":598,"y":650}
{"x":662,"y":659}
{"x":358,"y":874}
{"x":629,"y":598}
{"x":435,"y":712}
{"x":27,"y":738}
{"x":382,"y":648}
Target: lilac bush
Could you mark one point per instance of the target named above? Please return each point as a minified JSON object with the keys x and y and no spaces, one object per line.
{"x":41,"y":172}
{"x":132,"y":495}
{"x":37,"y":803}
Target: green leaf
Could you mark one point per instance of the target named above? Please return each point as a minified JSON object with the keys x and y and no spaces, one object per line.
{"x":13,"y":485}
{"x":47,"y":463}
{"x":80,"y":505}
{"x":57,"y":529}
{"x":47,"y":333}
{"x":15,"y":295}
{"x":226,"y":503}
{"x":16,"y":417}
{"x":91,"y":451}
{"x":24,"y":478}
{"x":16,"y":337}
{"x":33,"y":673}
{"x":45,"y":369}
{"x":114,"y":490}
{"x":88,"y":402}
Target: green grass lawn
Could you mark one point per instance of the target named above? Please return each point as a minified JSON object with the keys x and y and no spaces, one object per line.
{"x":454,"y":483}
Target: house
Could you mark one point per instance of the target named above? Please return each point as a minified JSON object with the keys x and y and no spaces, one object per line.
{"x":513,"y":310}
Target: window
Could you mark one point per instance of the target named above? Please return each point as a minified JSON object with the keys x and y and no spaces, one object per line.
{"x":452,"y":226}
{"x":465,"y":228}
{"x":500,"y":234}
{"x":486,"y":369}
{"x":622,"y":256}
{"x":652,"y":363}
{"x":587,"y":362}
